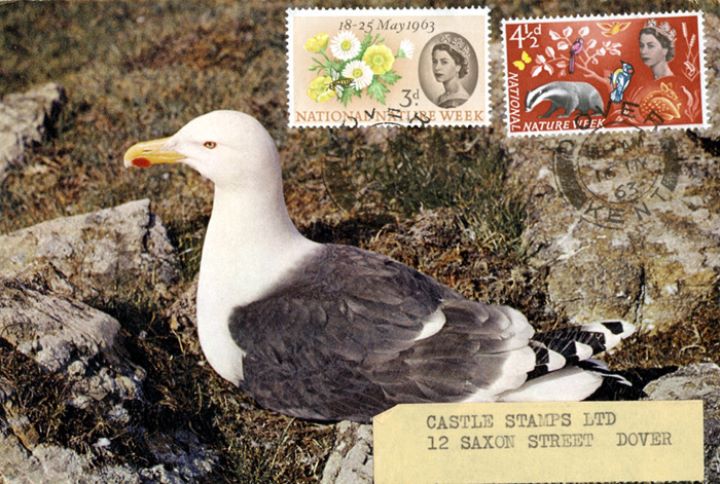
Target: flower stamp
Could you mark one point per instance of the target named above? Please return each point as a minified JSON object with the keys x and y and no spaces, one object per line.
{"x":575,"y":75}
{"x":406,"y":67}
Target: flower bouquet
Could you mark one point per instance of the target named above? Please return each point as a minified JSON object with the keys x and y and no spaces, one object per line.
{"x":353,"y":66}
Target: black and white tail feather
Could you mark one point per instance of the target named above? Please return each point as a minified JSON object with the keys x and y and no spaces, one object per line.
{"x":564,"y":367}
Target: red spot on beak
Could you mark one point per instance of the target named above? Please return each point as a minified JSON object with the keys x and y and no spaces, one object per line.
{"x":141,"y":162}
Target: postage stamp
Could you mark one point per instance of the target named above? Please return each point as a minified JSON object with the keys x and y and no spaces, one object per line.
{"x":406,"y":67}
{"x":577,"y":74}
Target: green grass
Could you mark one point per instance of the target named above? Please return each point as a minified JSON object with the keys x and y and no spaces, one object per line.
{"x":414,"y":170}
{"x":139,"y":70}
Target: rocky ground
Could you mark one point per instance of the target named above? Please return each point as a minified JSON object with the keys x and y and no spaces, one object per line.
{"x":101,"y":375}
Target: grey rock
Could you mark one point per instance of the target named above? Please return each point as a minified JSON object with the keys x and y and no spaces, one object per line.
{"x":653,"y":271}
{"x":48,"y":464}
{"x":696,"y":382}
{"x":23,"y":121}
{"x":52,"y":464}
{"x":95,"y":255}
{"x":54,"y":330}
{"x":65,"y":336}
{"x":712,"y":451}
{"x":653,"y":268}
{"x":351,"y":460}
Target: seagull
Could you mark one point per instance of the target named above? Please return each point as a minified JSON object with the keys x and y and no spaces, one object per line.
{"x":329,"y":332}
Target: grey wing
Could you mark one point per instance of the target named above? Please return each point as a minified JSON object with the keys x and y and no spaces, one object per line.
{"x":353,"y":333}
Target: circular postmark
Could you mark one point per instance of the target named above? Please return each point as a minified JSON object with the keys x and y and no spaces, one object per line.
{"x":448,"y":70}
{"x":616,"y":179}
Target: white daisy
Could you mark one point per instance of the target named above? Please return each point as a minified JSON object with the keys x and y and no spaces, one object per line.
{"x":345,"y":45}
{"x":360,"y":73}
{"x":407,"y":49}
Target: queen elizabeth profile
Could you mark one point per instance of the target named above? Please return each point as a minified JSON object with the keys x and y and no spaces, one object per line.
{"x":450,"y":62}
{"x":657,"y":47}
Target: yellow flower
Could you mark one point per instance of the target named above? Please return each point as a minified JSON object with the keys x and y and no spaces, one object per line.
{"x":319,"y":89}
{"x":317,"y":43}
{"x":326,"y":96}
{"x":380,"y":59}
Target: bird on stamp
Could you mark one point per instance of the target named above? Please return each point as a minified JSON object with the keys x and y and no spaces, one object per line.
{"x":575,"y":49}
{"x":620,"y":80}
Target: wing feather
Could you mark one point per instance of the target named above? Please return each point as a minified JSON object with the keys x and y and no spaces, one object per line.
{"x":337,"y":340}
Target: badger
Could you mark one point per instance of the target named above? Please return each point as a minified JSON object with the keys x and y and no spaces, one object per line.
{"x":566,"y":95}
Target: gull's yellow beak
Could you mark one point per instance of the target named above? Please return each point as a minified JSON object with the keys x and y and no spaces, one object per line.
{"x":152,"y":152}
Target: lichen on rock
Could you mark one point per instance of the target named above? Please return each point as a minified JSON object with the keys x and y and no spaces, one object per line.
{"x":93,"y":256}
{"x":24,"y":118}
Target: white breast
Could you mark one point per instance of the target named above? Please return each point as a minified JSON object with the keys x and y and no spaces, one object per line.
{"x":232,"y":276}
{"x":213,"y":314}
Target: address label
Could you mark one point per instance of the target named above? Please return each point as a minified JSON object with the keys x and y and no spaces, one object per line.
{"x":540,"y":442}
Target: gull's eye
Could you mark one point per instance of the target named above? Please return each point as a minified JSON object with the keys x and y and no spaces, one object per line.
{"x":209,"y":144}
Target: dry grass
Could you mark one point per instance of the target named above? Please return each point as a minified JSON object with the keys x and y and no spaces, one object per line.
{"x":141,"y":70}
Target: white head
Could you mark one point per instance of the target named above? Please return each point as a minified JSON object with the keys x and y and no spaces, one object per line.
{"x":230,"y":148}
{"x":250,"y":243}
